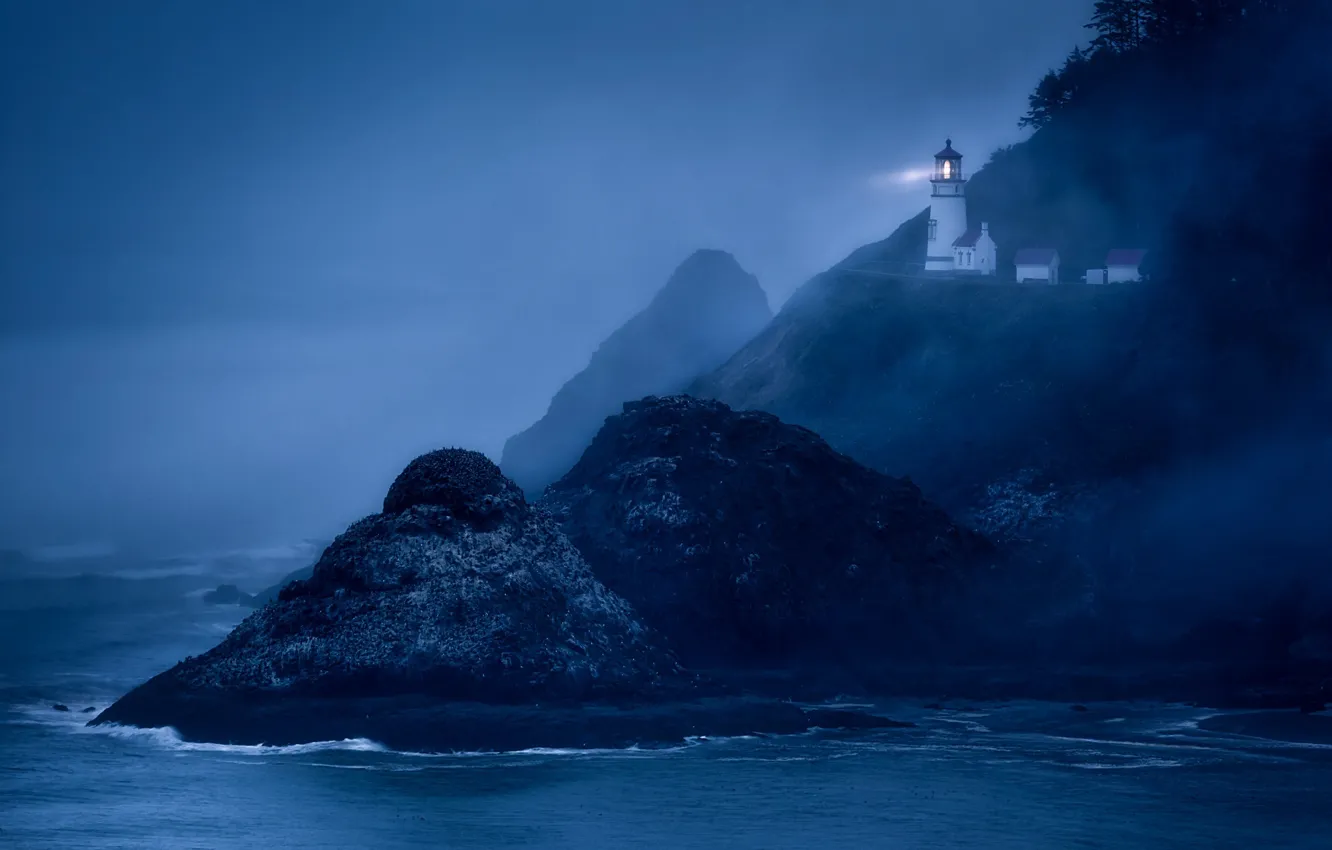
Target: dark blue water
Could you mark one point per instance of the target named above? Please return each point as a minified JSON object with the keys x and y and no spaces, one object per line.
{"x":1019,"y":775}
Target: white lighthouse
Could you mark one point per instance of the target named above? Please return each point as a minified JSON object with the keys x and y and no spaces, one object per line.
{"x":948,"y":210}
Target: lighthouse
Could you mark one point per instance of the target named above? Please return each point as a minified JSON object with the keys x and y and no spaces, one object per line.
{"x":948,"y":210}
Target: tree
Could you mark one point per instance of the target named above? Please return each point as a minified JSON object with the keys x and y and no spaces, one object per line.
{"x":1049,"y":97}
{"x":1118,"y":24}
{"x":1167,"y":21}
{"x":1056,"y":90}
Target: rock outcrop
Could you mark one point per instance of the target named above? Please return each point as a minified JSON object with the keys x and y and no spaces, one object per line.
{"x":458,"y":618}
{"x":745,"y":539}
{"x":457,"y":590}
{"x":228,"y":594}
{"x":706,"y":311}
{"x":270,"y":593}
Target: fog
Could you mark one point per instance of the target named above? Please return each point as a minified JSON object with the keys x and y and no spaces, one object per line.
{"x":254,"y":257}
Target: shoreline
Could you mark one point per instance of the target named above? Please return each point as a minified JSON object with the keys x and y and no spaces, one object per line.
{"x":420,"y":723}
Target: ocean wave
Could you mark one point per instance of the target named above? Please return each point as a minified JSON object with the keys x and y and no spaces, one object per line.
{"x":166,"y":737}
{"x":969,"y":725}
{"x":169,"y":738}
{"x":1261,"y":743}
{"x":1103,"y":742}
{"x":1136,"y":764}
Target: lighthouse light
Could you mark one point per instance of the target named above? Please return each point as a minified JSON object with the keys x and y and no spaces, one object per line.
{"x":948,"y":169}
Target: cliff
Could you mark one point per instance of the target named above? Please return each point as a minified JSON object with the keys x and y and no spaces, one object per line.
{"x":1152,"y":456}
{"x":708,"y":308}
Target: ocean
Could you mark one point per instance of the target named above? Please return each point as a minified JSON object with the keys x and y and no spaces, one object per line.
{"x":971,"y":775}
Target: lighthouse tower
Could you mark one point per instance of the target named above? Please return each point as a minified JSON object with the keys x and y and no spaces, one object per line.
{"x":948,"y":209}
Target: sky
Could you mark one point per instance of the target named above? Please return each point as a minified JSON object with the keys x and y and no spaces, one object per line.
{"x":254,"y":256}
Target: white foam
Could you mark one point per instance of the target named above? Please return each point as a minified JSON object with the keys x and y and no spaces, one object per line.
{"x":169,"y":738}
{"x":562,"y":751}
{"x":1259,"y":742}
{"x":392,"y":768}
{"x":1132,"y":765}
{"x":969,"y":725}
{"x":1113,"y":743}
{"x":835,"y":705}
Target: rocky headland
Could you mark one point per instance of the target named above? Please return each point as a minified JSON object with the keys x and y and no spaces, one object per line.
{"x":458,"y":618}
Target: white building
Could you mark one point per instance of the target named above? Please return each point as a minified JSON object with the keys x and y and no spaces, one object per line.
{"x":1122,"y":265}
{"x":1095,"y":276}
{"x":975,"y":252}
{"x":1037,"y":264}
{"x":948,"y":210}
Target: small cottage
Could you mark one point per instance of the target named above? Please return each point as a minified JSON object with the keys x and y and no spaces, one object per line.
{"x":975,"y":252}
{"x":1037,"y":264}
{"x":1123,"y":265}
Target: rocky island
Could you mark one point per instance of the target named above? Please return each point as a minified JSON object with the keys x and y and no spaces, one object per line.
{"x":458,"y":618}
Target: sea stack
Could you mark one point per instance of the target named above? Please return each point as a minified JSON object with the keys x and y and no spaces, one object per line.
{"x":456,"y":591}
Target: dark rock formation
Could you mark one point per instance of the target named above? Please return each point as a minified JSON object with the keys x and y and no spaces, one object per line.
{"x":458,"y":590}
{"x":747,"y":539}
{"x":227,"y":594}
{"x":466,"y":484}
{"x":270,"y":593}
{"x":706,"y":311}
{"x":459,"y":618}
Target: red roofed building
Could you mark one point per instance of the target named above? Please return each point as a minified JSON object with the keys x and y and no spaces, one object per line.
{"x":1123,"y":265}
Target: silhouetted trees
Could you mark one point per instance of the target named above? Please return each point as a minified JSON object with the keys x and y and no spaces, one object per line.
{"x":1057,"y":89}
{"x":1158,"y":28}
{"x":1198,"y":129}
{"x":1120,"y":25}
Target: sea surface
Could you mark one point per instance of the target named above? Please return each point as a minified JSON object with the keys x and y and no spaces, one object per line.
{"x":1014,"y":775}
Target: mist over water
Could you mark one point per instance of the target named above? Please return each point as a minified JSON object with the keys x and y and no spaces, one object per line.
{"x":255,"y":258}
{"x":172,"y":439}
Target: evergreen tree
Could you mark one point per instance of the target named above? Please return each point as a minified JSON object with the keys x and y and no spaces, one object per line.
{"x":1118,"y":24}
{"x":1049,"y":97}
{"x":1166,"y":21}
{"x":1057,"y":89}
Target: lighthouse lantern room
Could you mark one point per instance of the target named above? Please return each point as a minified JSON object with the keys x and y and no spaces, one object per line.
{"x":948,"y":209}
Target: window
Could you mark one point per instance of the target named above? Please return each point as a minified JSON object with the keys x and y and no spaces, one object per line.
{"x":934,"y":229}
{"x":948,"y":169}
